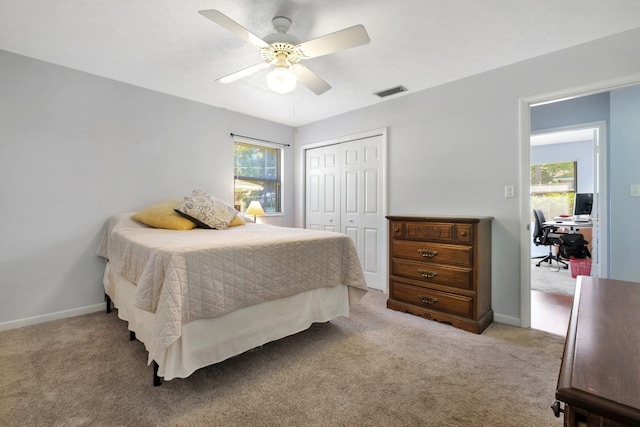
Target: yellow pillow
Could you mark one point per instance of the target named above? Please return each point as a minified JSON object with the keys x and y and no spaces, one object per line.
{"x":162,"y":215}
{"x":237,"y":220}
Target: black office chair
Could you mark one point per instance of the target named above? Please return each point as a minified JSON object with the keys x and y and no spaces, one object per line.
{"x":545,"y":235}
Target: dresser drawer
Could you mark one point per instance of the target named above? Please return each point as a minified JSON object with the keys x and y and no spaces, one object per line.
{"x":435,"y":231}
{"x":433,"y":252}
{"x":448,"y":275}
{"x":432,"y":299}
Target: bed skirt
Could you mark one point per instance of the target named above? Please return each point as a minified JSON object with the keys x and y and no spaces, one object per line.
{"x":207,"y":341}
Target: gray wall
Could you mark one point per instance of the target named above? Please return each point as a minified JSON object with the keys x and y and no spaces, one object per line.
{"x":453,"y":148}
{"x":624,"y":161}
{"x":584,"y":109}
{"x":75,"y":149}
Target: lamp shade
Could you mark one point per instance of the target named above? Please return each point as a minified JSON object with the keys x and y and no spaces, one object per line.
{"x":255,"y":208}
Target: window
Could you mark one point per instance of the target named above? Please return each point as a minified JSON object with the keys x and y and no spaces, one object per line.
{"x":553,"y":187}
{"x":257,"y":176}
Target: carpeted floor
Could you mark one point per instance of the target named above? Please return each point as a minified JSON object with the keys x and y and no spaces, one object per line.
{"x":376,"y":368}
{"x":552,"y":278}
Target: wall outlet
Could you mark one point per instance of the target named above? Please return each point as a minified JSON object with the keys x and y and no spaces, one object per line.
{"x":509,"y":192}
{"x":635,"y":190}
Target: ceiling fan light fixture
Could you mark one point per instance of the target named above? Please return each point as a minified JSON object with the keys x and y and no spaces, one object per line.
{"x":281,"y":79}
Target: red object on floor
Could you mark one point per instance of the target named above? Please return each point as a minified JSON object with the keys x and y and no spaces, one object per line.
{"x":580,"y":267}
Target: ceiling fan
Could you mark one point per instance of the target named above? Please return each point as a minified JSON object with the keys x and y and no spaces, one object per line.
{"x":285,"y":52}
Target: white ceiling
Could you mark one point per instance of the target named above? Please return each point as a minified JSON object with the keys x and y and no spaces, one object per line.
{"x":166,"y":46}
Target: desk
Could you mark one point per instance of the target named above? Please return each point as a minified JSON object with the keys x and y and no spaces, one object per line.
{"x":598,"y":381}
{"x":571,"y":225}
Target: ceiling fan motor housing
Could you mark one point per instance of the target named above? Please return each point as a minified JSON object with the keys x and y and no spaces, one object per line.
{"x":281,"y":43}
{"x":271,"y":53}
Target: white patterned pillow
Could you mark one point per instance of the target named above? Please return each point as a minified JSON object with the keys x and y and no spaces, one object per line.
{"x":206,"y":210}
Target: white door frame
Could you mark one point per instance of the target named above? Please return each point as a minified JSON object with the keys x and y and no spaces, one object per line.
{"x":525,"y":188}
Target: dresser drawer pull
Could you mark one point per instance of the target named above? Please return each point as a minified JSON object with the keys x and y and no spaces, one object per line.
{"x":427,"y":300}
{"x":428,"y":274}
{"x":427,"y":253}
{"x":463,"y":234}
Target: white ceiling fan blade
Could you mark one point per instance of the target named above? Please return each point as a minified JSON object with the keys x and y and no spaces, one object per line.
{"x":244,"y":72}
{"x":308,"y":78}
{"x":334,"y":42}
{"x":225,"y":22}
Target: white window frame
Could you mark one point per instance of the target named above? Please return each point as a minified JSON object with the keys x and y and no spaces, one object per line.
{"x":280,"y":150}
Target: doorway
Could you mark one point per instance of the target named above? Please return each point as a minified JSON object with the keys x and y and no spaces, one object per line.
{"x":604,"y":239}
{"x":564,"y":162}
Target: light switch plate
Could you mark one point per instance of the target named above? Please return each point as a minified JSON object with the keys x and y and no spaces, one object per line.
{"x":635,"y":190}
{"x":509,"y":192}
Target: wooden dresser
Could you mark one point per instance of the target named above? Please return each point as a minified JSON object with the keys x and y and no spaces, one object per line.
{"x":599,"y":381}
{"x":440,"y":269}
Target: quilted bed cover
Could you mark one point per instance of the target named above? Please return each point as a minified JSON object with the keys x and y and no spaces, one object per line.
{"x":183,"y":276}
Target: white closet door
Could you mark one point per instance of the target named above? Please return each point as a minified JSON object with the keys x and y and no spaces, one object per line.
{"x":323,"y":188}
{"x":362,"y":205}
{"x":346,"y":192}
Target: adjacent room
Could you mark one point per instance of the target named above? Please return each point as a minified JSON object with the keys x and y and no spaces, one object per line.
{"x":565,"y":170}
{"x":241,"y":212}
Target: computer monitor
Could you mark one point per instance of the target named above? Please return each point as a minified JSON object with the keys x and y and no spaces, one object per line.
{"x":583,"y":202}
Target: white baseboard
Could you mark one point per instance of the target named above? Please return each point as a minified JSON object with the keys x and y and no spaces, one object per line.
{"x":501,"y":318}
{"x":5,"y":326}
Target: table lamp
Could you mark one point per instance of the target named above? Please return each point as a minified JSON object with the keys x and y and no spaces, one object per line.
{"x":255,"y":208}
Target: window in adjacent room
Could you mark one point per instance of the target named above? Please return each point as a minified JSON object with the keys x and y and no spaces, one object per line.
{"x":257,"y":176}
{"x":553,"y":187}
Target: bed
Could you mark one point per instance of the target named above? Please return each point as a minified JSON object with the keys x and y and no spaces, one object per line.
{"x":197,"y":297}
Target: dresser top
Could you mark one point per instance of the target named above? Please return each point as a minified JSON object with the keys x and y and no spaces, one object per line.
{"x":445,"y":218}
{"x":601,"y":365}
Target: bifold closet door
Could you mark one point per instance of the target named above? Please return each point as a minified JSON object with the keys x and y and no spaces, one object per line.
{"x":323,"y":188}
{"x":362,"y":216}
{"x":345,"y":193}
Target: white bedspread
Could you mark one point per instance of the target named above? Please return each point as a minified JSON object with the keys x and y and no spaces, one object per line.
{"x":188,"y":275}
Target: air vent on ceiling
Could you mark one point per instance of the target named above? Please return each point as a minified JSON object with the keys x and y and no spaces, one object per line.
{"x":392,"y":91}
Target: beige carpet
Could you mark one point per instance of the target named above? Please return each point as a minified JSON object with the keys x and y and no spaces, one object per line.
{"x":377,"y":368}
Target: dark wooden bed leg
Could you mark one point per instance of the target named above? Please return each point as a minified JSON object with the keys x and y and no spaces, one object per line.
{"x":108,"y":300}
{"x":156,"y":379}
{"x":132,"y":336}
